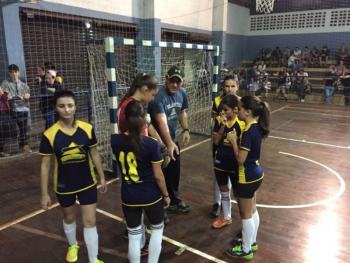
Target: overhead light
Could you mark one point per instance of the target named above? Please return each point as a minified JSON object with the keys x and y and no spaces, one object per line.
{"x":87,"y":24}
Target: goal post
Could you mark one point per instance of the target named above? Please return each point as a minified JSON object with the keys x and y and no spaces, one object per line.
{"x":123,"y":58}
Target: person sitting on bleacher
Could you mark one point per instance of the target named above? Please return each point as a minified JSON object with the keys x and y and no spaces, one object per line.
{"x":261,"y":67}
{"x":293,"y":62}
{"x":284,"y":83}
{"x":302,"y":85}
{"x":324,"y":55}
{"x":345,"y":81}
{"x":285,"y":55}
{"x":342,"y":53}
{"x":329,"y":85}
{"x":297,"y":54}
{"x":277,"y":56}
{"x":306,"y":56}
{"x":267,"y":56}
{"x":315,"y":55}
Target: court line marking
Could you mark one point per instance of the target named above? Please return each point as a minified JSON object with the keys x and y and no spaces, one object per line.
{"x":38,"y":212}
{"x":326,"y":201}
{"x":169,"y":240}
{"x":64,"y":239}
{"x":309,"y":142}
{"x":317,"y":113}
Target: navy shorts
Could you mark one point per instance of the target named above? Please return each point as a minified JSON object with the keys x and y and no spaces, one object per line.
{"x":247,"y":190}
{"x":154,"y":213}
{"x":223,"y":177}
{"x":85,"y":197}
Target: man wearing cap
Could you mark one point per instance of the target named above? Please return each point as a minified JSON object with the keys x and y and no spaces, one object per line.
{"x":18,"y":98}
{"x":167,"y":110}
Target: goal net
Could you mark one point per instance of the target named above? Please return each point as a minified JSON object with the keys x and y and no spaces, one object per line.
{"x":130,"y":60}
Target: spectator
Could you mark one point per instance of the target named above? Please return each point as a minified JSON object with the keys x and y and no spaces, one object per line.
{"x":315,"y":55}
{"x":297,"y":54}
{"x":343,"y":52}
{"x":329,"y":86}
{"x":47,"y":91}
{"x":283,"y":84}
{"x":324,"y":55}
{"x":302,"y":84}
{"x":277,"y":56}
{"x":286,"y":55}
{"x":293,"y":62}
{"x":18,"y":97}
{"x":5,"y":122}
{"x":345,"y":81}
{"x":306,"y":56}
{"x":59,"y":77}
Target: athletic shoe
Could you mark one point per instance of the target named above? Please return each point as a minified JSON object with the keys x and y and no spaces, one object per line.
{"x":215,"y":212}
{"x":72,"y":253}
{"x":221,"y":222}
{"x":181,"y":207}
{"x":237,"y":241}
{"x":144,"y":250}
{"x":98,"y":261}
{"x":237,"y":251}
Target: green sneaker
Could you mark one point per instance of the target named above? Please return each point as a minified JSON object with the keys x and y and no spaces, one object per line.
{"x":238,"y":252}
{"x":72,"y":253}
{"x":255,"y":247}
{"x":181,"y":207}
{"x":98,"y":261}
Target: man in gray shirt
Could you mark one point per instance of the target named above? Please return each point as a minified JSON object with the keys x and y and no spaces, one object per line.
{"x":18,"y":98}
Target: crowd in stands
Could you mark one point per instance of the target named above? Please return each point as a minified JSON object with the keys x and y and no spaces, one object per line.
{"x":15,"y":115}
{"x":292,"y":77}
{"x":305,"y":57}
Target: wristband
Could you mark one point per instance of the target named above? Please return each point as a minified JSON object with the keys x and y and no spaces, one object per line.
{"x":185,"y":130}
{"x":165,"y":196}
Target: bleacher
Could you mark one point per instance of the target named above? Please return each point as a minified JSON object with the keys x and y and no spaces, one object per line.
{"x":316,"y":78}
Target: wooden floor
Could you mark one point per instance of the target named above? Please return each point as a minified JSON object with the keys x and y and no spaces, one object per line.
{"x":304,"y":200}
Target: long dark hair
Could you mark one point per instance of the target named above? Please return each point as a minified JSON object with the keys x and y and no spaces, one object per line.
{"x":135,"y":122}
{"x":141,"y":79}
{"x":259,"y":109}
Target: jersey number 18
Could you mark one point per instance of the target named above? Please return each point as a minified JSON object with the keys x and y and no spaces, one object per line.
{"x":130,"y":175}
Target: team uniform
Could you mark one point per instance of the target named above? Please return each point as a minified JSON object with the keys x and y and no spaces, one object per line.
{"x":250,"y":174}
{"x":216,"y":105}
{"x":139,"y":189}
{"x":225,"y":164}
{"x":74,"y":174}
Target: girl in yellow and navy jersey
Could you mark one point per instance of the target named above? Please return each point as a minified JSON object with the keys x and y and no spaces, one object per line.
{"x":225,"y":164}
{"x":256,"y":115}
{"x":72,"y":143}
{"x":230,"y":88}
{"x":143,"y":185}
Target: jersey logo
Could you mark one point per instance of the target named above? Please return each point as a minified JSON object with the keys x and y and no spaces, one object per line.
{"x":73,"y":154}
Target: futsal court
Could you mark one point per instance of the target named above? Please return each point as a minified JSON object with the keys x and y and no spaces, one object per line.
{"x":303,"y":201}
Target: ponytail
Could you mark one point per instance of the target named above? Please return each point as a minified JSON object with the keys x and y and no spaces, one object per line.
{"x":135,"y":122}
{"x":141,"y":79}
{"x":264,"y":119}
{"x":259,"y":109}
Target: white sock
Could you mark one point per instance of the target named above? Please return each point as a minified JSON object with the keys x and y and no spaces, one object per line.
{"x":143,"y":238}
{"x":135,"y":236}
{"x":91,"y":241}
{"x":226,"y":204}
{"x":248,"y":230}
{"x":217,"y":193}
{"x":155,"y":243}
{"x":70,"y":231}
{"x":256,"y":219}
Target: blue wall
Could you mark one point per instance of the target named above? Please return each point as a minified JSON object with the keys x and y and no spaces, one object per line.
{"x":3,"y":53}
{"x":236,"y":49}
